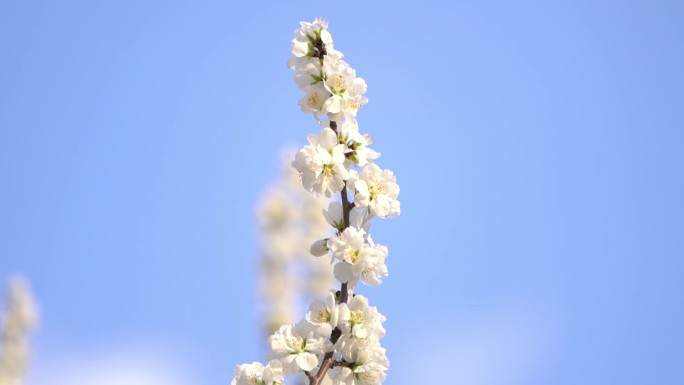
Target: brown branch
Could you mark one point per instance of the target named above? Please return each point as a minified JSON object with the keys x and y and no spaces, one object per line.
{"x":344,"y":364}
{"x":346,"y":210}
{"x":309,"y":375}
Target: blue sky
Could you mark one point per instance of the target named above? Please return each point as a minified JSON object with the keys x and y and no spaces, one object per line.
{"x":538,"y":146}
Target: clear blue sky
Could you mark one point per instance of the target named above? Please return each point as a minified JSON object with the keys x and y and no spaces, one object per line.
{"x":538,"y":146}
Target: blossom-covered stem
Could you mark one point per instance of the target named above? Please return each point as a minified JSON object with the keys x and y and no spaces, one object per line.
{"x":328,"y":358}
{"x":346,"y":211}
{"x":338,"y":342}
{"x":344,"y":296}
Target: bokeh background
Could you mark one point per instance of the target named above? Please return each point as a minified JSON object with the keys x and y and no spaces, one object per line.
{"x":538,"y":146}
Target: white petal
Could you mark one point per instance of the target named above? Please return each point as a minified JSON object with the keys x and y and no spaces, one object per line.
{"x":306,"y":361}
{"x":343,"y":272}
{"x":327,"y":138}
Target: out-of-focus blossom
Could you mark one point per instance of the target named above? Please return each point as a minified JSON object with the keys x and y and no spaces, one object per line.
{"x":18,"y":319}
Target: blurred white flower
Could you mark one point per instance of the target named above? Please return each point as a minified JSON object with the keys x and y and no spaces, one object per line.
{"x":290,"y":219}
{"x":17,"y":321}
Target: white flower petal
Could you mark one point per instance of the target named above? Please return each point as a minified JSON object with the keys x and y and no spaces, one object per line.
{"x":306,"y":361}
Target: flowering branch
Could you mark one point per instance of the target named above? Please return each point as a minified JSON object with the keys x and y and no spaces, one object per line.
{"x":339,"y":339}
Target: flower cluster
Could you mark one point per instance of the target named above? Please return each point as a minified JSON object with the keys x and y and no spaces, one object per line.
{"x":338,"y":341}
{"x":19,"y":318}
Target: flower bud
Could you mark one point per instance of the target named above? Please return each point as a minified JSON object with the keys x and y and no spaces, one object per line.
{"x":319,"y":248}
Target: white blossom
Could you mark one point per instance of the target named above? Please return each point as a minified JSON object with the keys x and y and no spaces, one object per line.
{"x":358,"y":257}
{"x":321,"y":164}
{"x":357,"y":217}
{"x":373,"y":270}
{"x":324,"y":315}
{"x":258,"y":374}
{"x":368,"y":368}
{"x":348,"y":245}
{"x":358,"y":151}
{"x":303,"y":43}
{"x":309,"y":75}
{"x":342,"y":83}
{"x":330,"y":84}
{"x":314,"y":99}
{"x":345,"y":87}
{"x":377,"y":190}
{"x":334,"y":215}
{"x":358,"y":319}
{"x":296,"y":347}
